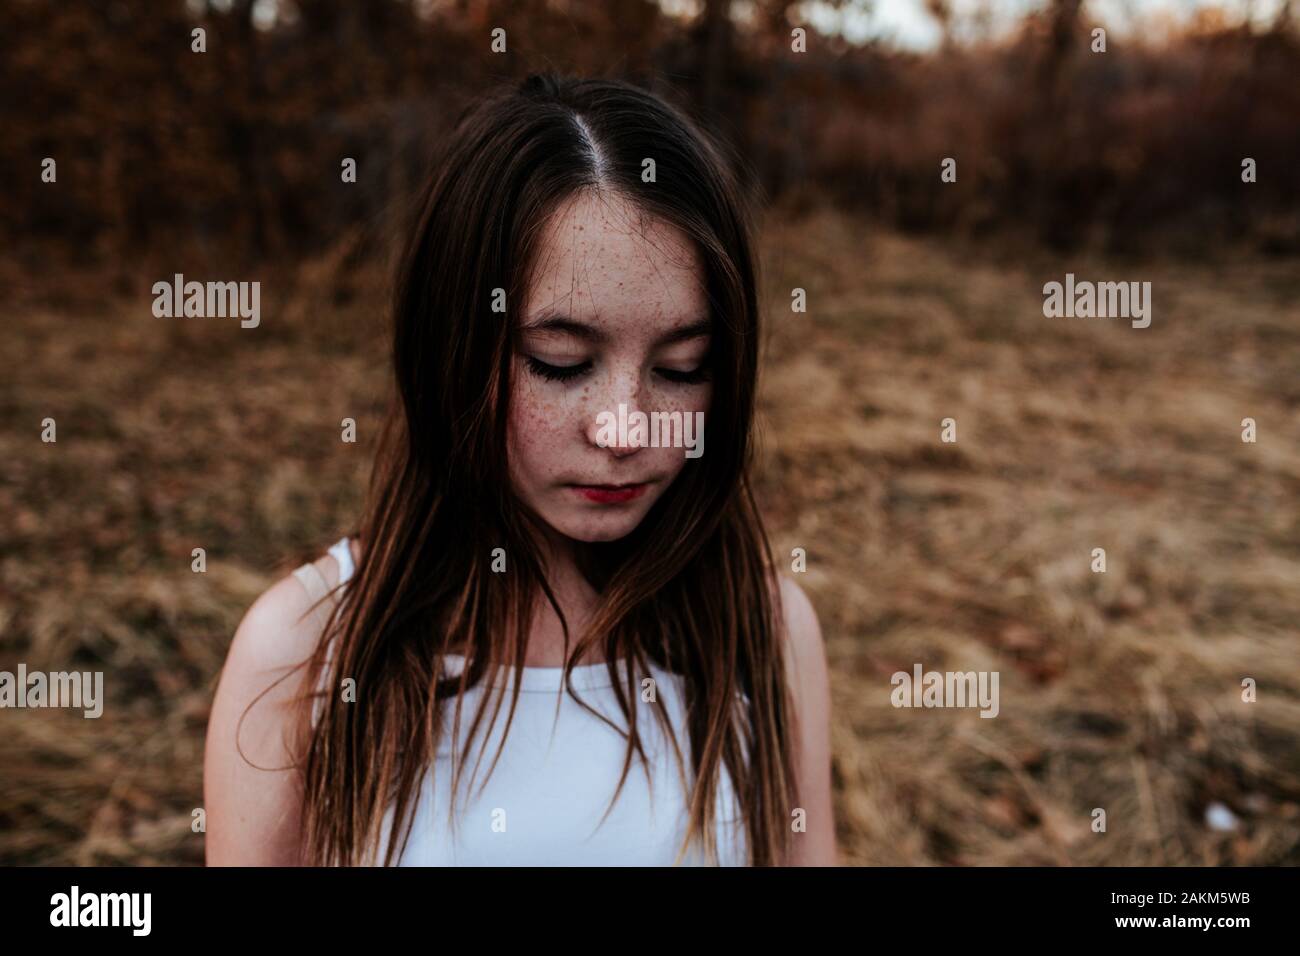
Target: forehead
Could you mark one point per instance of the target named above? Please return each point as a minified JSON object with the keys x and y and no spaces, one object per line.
{"x":604,"y":261}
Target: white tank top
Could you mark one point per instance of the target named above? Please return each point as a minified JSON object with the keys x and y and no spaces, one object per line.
{"x":559,"y":767}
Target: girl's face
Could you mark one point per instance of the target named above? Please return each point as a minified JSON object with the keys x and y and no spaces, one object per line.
{"x":616,"y":315}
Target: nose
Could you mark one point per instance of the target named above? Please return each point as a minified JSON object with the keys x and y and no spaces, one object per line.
{"x":617,"y":408}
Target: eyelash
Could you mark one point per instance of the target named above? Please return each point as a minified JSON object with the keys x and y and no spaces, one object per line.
{"x":566,"y":373}
{"x":555,"y":373}
{"x":693,"y":377}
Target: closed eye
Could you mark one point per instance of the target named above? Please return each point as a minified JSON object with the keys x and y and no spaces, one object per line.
{"x":555,"y":373}
{"x":566,"y":373}
{"x":692,"y":377}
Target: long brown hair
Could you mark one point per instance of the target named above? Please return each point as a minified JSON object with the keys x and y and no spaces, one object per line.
{"x":691,"y":589}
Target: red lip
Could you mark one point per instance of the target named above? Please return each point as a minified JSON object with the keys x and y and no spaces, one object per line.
{"x":611,"y":494}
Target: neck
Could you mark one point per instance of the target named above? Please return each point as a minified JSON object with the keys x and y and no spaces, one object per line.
{"x":576,"y":598}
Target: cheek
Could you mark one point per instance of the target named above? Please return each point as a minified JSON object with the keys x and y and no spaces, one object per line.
{"x":670,"y":461}
{"x":539,"y":429}
{"x":695,"y":398}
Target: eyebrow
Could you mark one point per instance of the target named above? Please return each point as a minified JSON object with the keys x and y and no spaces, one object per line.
{"x":552,"y":322}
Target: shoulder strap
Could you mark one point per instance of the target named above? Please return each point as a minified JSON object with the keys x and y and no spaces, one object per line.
{"x":312,"y":581}
{"x":317,"y":588}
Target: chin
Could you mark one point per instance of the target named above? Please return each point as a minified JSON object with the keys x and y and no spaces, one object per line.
{"x":596,"y":529}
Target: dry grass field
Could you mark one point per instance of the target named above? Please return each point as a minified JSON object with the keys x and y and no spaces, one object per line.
{"x":1119,"y":690}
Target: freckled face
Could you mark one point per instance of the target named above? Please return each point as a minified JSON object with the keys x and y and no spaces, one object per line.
{"x":616,"y":313}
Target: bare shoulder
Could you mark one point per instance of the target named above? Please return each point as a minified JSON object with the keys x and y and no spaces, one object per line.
{"x":809,"y":681}
{"x":279,"y":629}
{"x":802,"y":629}
{"x":253,"y":743}
{"x":805,"y":649}
{"x":801,"y":633}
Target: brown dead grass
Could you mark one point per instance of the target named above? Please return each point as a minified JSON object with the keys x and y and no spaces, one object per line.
{"x":1119,"y":691}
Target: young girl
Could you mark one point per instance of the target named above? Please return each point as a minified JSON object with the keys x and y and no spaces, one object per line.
{"x":553,"y":641}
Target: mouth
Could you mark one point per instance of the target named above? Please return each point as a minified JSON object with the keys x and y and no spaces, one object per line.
{"x":612,"y":494}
